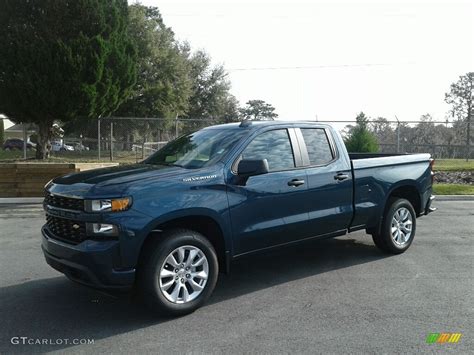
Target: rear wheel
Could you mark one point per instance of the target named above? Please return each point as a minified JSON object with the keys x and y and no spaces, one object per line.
{"x":398,"y":227}
{"x":178,"y":273}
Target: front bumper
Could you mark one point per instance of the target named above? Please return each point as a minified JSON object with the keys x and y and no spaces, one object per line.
{"x":90,"y":263}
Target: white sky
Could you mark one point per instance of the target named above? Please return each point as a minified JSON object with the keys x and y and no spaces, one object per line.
{"x":420,"y":48}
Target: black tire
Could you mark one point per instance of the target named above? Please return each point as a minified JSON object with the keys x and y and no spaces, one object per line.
{"x":383,"y":239}
{"x":154,"y":258}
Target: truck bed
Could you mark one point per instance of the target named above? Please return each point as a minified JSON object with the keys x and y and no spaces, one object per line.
{"x":372,"y":160}
{"x":375,"y":176}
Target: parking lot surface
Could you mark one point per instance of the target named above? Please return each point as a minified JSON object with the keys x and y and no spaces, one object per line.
{"x":329,"y":296}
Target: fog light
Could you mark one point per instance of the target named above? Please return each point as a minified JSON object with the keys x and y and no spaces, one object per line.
{"x":104,"y":229}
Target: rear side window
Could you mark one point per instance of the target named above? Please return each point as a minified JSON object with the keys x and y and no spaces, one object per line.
{"x":274,"y":146}
{"x":317,"y":144}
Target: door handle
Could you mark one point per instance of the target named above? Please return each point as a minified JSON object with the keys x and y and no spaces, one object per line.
{"x":296,"y":182}
{"x":341,"y":176}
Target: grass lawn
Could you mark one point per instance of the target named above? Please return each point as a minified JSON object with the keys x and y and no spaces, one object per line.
{"x":71,"y":157}
{"x":453,"y":189}
{"x":453,"y":165}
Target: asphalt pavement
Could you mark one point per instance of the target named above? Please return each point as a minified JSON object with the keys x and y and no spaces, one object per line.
{"x":330,"y":296}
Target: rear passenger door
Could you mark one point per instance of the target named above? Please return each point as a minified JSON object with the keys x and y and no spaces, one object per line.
{"x":329,"y":181}
{"x":269,"y":209}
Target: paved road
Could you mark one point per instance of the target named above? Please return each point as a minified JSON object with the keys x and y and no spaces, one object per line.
{"x":331,"y":296}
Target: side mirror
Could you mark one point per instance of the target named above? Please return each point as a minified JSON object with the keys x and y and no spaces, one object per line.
{"x":247,"y":168}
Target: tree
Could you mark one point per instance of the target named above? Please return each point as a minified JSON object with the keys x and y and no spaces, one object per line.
{"x":382,"y":130}
{"x":461,"y":99}
{"x":211,"y":98}
{"x":63,"y":59}
{"x":360,"y":139}
{"x":163,"y":85}
{"x":258,"y":110}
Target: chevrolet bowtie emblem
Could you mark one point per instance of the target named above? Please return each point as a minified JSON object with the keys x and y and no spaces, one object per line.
{"x":75,"y":226}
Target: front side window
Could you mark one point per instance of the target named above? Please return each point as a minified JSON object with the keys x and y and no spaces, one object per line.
{"x":274,"y":146}
{"x":317,"y":145}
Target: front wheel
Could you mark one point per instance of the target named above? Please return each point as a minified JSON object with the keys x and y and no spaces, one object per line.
{"x":398,"y":227}
{"x":178,"y":273}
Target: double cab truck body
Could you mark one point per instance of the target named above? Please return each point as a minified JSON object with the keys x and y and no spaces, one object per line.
{"x":167,"y":225}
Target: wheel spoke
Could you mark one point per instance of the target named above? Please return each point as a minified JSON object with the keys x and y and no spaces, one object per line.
{"x":172,"y":260}
{"x":181,"y":253}
{"x":199,"y":262}
{"x":405,"y":229}
{"x":167,"y":285}
{"x":185,"y":294}
{"x":191,"y":256}
{"x":406,"y":214}
{"x":402,"y":236}
{"x":166,"y":273}
{"x":195,"y":286}
{"x":397,"y":216}
{"x":396,"y":236}
{"x":201,"y":274}
{"x":175,"y":294}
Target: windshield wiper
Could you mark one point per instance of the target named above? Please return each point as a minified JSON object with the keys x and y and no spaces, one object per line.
{"x":169,"y":164}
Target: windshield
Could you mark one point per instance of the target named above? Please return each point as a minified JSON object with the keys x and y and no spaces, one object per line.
{"x":197,"y":150}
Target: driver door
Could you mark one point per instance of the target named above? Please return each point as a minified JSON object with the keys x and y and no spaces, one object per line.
{"x":269,"y":209}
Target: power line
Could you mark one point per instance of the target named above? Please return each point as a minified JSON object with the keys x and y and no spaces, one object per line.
{"x":315,"y":67}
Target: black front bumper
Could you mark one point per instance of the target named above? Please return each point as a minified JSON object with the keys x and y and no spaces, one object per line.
{"x":90,"y":263}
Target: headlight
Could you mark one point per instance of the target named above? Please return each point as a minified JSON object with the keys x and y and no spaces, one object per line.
{"x":108,"y":205}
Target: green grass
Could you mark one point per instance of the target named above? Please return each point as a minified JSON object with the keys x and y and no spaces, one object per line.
{"x":453,"y":189}
{"x":70,"y":157}
{"x":453,"y":165}
{"x":13,"y":155}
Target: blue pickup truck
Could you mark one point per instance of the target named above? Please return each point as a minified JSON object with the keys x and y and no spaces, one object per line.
{"x":167,"y":225}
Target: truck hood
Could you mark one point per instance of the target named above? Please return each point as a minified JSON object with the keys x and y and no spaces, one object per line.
{"x":120,"y":174}
{"x":127,"y":180}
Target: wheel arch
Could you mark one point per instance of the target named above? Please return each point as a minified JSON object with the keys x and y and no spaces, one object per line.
{"x":408,"y":191}
{"x":201,"y":221}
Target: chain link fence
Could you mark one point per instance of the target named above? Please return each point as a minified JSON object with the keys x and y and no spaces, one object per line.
{"x":125,"y":139}
{"x":443,"y":140}
{"x":131,"y":139}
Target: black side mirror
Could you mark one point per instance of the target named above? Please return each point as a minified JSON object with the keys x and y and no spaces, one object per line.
{"x":247,"y":168}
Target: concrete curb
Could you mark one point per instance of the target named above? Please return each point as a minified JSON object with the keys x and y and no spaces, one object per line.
{"x":21,"y":200}
{"x":454,"y":198}
{"x":39,"y":200}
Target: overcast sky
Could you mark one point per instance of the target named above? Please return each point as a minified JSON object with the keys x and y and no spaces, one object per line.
{"x":384,"y":58}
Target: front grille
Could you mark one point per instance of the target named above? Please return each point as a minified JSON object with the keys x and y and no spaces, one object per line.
{"x":64,"y":202}
{"x":66,"y":229}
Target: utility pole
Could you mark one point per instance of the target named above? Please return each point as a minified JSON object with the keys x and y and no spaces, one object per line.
{"x":111,"y":141}
{"x":398,"y":134}
{"x":468,"y":133}
{"x":176,"y":126}
{"x":25,"y":138}
{"x":98,"y":138}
